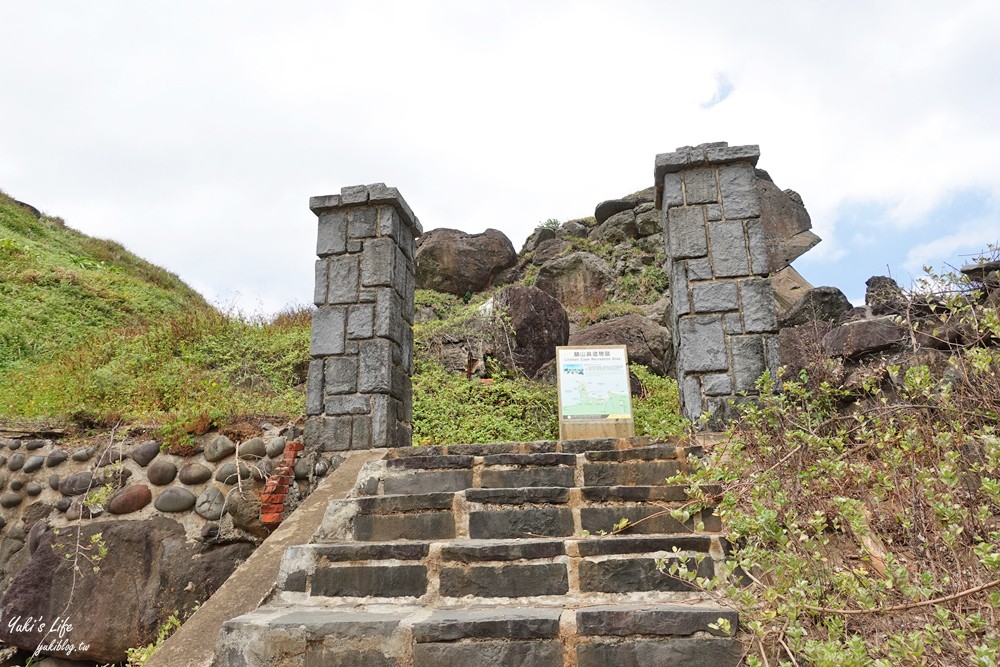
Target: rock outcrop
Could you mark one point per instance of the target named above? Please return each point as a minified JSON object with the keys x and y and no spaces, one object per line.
{"x":449,"y":260}
{"x":647,"y":342}
{"x":539,"y":323}
{"x":577,"y":279}
{"x":115,"y":603}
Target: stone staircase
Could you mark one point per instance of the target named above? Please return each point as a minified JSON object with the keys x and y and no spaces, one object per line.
{"x":478,"y":554}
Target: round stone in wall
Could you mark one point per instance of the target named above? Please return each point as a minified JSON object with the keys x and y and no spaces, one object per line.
{"x":227,"y":473}
{"x":211,"y":504}
{"x":55,"y":458}
{"x":111,"y":455}
{"x":145,"y":452}
{"x":79,"y":509}
{"x":161,"y":472}
{"x":34,"y":463}
{"x":276,"y":446}
{"x":301,"y":469}
{"x":33,"y":488}
{"x":54,"y":482}
{"x":195,"y":473}
{"x":32,"y":445}
{"x":175,"y":499}
{"x":261,"y":469}
{"x":130,"y":499}
{"x":16,"y":462}
{"x":219,"y":448}
{"x":3,"y":460}
{"x":10,"y":499}
{"x":82,"y":455}
{"x":63,"y":504}
{"x":14,"y":444}
{"x":253,"y":449}
{"x":16,"y":484}
{"x":76,"y":484}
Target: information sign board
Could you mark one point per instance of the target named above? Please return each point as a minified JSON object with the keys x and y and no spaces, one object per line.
{"x":594,"y":396}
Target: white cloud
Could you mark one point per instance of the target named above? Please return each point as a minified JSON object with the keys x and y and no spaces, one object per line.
{"x":971,"y":238}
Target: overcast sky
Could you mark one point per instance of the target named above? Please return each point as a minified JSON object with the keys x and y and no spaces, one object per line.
{"x":195,"y":131}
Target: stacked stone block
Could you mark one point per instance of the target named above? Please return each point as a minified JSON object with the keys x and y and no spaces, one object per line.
{"x":359,"y":390}
{"x":724,"y":321}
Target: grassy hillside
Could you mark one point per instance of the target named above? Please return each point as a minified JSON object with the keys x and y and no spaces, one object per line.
{"x":92,"y":333}
{"x":59,"y":287}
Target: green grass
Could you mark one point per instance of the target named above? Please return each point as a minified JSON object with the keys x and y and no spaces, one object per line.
{"x":59,"y":287}
{"x":92,"y":334}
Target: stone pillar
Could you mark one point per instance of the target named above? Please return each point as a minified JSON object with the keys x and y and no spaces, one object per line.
{"x":359,"y":393}
{"x":722,"y":306}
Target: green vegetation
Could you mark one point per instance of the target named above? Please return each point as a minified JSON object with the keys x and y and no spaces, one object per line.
{"x":866,"y":525}
{"x":448,"y":408}
{"x":92,"y":333}
{"x":187,"y":374}
{"x":656,"y":411}
{"x":59,"y":287}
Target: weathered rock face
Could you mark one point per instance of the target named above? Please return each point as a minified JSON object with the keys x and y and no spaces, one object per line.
{"x":820,"y":303}
{"x":577,"y":279}
{"x":789,"y":286}
{"x":855,"y":339}
{"x":801,"y":346}
{"x":550,"y":250}
{"x":884,"y":296}
{"x":540,"y":323}
{"x":647,"y":342}
{"x":449,"y":260}
{"x":151,"y":570}
{"x":608,"y":208}
{"x":786,"y":225}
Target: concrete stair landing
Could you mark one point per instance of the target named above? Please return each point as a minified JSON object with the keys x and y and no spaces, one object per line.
{"x":477,"y":555}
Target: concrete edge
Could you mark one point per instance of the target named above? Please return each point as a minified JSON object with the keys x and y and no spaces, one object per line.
{"x":193,"y":645}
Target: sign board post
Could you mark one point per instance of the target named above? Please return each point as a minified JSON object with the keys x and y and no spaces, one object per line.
{"x":595,"y":400}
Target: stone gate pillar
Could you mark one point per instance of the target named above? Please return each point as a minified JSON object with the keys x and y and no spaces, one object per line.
{"x":359,"y":393}
{"x":722,"y":306}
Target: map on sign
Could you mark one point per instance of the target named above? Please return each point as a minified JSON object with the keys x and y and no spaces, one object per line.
{"x":593,"y":383}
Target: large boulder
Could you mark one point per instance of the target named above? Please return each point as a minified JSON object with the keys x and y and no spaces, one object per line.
{"x":647,"y":342}
{"x":539,"y":323}
{"x":884,"y":296}
{"x":150,"y":570}
{"x":801,"y":346}
{"x":618,"y":228}
{"x":449,"y":260}
{"x":786,"y":223}
{"x":608,"y":208}
{"x":852,"y":340}
{"x":577,"y":279}
{"x":825,"y":304}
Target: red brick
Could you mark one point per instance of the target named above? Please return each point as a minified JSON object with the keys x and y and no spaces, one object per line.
{"x":294,"y":446}
{"x":272,"y":509}
{"x":266,"y":498}
{"x":270,"y":519}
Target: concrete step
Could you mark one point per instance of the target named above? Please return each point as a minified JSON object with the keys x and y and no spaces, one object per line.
{"x":281,"y":635}
{"x":432,"y":571}
{"x":428,"y":470}
{"x":506,"y":513}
